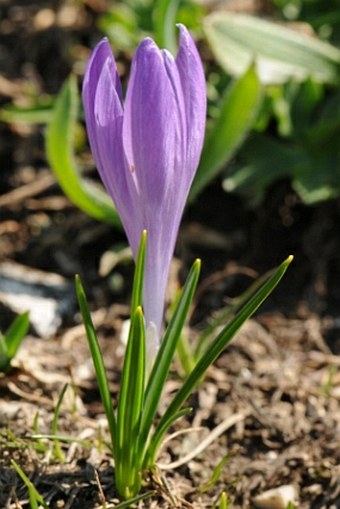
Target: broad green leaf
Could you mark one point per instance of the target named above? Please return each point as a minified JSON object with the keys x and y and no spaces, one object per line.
{"x":237,"y":113}
{"x":127,"y":461}
{"x":280,"y":53}
{"x":216,"y":348}
{"x":161,"y":365}
{"x":60,"y":154}
{"x":165,"y":23}
{"x":98,"y":361}
{"x":320,"y":181}
{"x":262,"y":161}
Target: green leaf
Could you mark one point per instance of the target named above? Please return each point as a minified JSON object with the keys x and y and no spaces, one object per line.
{"x":165,"y":12}
{"x":11,"y":341}
{"x":4,"y":359}
{"x":36,"y":499}
{"x":215,"y":474}
{"x":161,"y":430}
{"x":39,"y":114}
{"x":127,"y":462}
{"x":60,"y":154}
{"x":217,"y":347}
{"x":16,"y":333}
{"x":161,"y":365}
{"x":280,"y":53}
{"x":262,"y":161}
{"x":98,"y":361}
{"x":54,"y":425}
{"x":227,"y":313}
{"x":237,"y":114}
{"x":138,"y":278}
{"x":132,"y":501}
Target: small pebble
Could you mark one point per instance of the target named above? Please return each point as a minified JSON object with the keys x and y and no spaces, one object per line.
{"x":277,"y":498}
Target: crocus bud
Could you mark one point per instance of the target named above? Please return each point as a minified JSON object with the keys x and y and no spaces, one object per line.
{"x":147,"y":150}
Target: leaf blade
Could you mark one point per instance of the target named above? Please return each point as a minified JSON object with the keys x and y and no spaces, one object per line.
{"x":59,"y":150}
{"x":280,"y":53}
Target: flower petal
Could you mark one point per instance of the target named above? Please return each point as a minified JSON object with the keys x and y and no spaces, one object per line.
{"x":194,"y":91}
{"x":104,"y":119}
{"x":153,"y":124}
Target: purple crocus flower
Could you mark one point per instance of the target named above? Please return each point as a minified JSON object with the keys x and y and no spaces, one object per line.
{"x":147,"y":151}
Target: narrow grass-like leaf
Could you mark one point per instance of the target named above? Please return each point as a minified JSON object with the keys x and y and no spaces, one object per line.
{"x":237,"y":113}
{"x":39,"y":114}
{"x":11,"y":341}
{"x":161,"y":430}
{"x":61,"y":438}
{"x":280,"y":53}
{"x":60,"y":154}
{"x":35,"y":498}
{"x":161,"y":365}
{"x":127,"y":472}
{"x":132,"y":501}
{"x":216,"y":474}
{"x":217,"y":347}
{"x":54,"y":426}
{"x":98,"y":362}
{"x":138,"y":278}
{"x":224,"y":501}
{"x":4,"y":358}
{"x":225,"y":314}
{"x":16,"y":333}
{"x":185,"y":354}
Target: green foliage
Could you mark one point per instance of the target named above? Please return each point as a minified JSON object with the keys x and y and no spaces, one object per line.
{"x":39,"y":113}
{"x":237,"y":113}
{"x":126,"y":23}
{"x":225,"y":502}
{"x":58,"y":453}
{"x":216,"y":474}
{"x":307,"y":152}
{"x":60,"y":154}
{"x":323,"y":17}
{"x":135,"y":437}
{"x":12,"y":339}
{"x":297,"y":129}
{"x":210,"y":355}
{"x":36,"y":500}
{"x":279,"y":53}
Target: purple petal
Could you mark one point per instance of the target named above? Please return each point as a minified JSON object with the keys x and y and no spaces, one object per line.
{"x":147,"y":155}
{"x":104,"y":119}
{"x":194,"y":91}
{"x":154,"y":123}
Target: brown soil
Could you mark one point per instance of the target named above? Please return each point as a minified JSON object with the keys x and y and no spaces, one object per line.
{"x":276,"y":390}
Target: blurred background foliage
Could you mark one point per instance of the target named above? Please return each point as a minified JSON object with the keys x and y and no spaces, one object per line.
{"x":273,"y":96}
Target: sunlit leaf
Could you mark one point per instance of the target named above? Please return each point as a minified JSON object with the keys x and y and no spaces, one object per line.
{"x":280,"y":53}
{"x":60,"y":154}
{"x":98,"y":361}
{"x":237,"y":113}
{"x":216,"y":348}
{"x":39,"y":114}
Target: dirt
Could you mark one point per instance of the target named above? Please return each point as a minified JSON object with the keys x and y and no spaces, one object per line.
{"x":275,"y":391}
